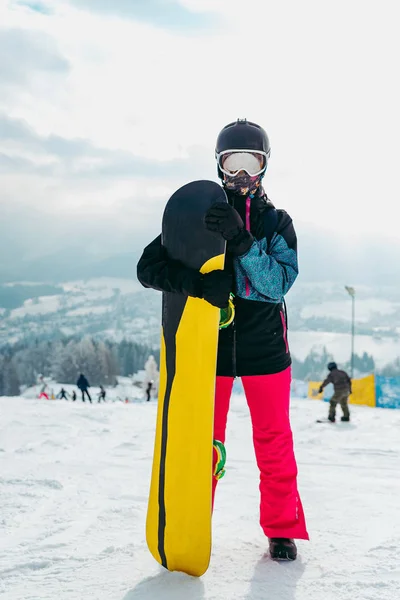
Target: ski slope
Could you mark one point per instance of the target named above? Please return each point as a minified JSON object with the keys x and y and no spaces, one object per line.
{"x":74,"y":480}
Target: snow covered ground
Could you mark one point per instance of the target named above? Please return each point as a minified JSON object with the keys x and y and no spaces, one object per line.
{"x":366,"y":309}
{"x":384,"y":350}
{"x":43,"y":305}
{"x":74,"y":480}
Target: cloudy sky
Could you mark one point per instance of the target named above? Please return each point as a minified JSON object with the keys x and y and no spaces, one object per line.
{"x":106,"y":107}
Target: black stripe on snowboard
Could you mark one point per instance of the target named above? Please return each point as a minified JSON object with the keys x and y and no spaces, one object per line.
{"x":176,"y":306}
{"x":186,"y":239}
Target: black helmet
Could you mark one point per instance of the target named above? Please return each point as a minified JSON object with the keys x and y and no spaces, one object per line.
{"x":242,"y":135}
{"x":331,"y":366}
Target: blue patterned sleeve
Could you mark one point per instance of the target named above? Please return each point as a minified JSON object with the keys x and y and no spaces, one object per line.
{"x":272,"y":273}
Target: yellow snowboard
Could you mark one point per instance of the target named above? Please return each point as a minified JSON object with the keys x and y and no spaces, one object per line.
{"x":178,"y":528}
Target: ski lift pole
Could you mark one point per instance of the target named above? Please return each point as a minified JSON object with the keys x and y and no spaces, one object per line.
{"x":352,"y":292}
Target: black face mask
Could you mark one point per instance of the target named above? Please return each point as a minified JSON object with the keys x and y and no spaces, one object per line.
{"x":243,"y":185}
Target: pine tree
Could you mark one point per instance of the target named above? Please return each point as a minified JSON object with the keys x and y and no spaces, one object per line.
{"x":87,"y":360}
{"x":64,"y":367}
{"x":9,"y":382}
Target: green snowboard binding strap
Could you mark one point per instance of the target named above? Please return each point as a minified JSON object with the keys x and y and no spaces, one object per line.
{"x":227,"y":314}
{"x":219,"y":470}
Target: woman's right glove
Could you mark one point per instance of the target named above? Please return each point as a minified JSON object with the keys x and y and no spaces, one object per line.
{"x":216,"y":287}
{"x":224,"y":219}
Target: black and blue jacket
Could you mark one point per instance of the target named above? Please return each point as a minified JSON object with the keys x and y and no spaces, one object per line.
{"x":264,"y":267}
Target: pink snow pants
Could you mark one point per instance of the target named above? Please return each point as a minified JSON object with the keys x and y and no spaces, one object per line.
{"x":268,"y":396}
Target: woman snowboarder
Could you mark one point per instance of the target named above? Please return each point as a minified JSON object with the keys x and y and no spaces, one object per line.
{"x":260,"y":268}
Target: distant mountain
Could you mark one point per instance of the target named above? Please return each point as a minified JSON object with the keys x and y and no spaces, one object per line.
{"x":40,"y":247}
{"x":71,"y":264}
{"x":116,"y":309}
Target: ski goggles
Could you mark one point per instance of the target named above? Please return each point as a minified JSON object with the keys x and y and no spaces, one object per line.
{"x":231,"y":162}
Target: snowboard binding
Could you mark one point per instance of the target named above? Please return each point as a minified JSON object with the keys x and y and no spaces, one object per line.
{"x":219,"y":469}
{"x":227,"y":314}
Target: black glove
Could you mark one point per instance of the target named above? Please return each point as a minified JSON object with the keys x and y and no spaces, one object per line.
{"x":321,"y":389}
{"x":224,"y":219}
{"x":217,"y":285}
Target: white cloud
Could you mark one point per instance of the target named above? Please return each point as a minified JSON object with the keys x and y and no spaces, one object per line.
{"x":319,"y":76}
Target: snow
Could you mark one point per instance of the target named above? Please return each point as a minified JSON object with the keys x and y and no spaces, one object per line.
{"x":44,"y":304}
{"x":88,"y":310}
{"x":366,"y":309}
{"x":384,"y":350}
{"x":92,"y":290}
{"x":103,"y":286}
{"x":73,"y":496}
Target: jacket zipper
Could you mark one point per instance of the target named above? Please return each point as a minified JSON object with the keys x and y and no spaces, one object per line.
{"x":248,"y":204}
{"x":234,"y":350}
{"x":234,"y":323}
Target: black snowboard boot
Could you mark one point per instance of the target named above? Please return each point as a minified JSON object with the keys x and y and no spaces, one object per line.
{"x":331,"y":419}
{"x":345,"y":419}
{"x":282,"y":549}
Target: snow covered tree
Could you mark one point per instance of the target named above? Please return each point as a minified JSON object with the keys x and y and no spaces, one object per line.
{"x":2,"y":362}
{"x":64,"y":366}
{"x":362,"y":364}
{"x":100,"y":361}
{"x":314,"y":366}
{"x":392,"y":369}
{"x":24,"y":362}
{"x":151,"y":373}
{"x":9,"y":382}
{"x":87,"y":361}
{"x":108,"y":363}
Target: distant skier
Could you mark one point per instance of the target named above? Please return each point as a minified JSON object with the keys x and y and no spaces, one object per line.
{"x":102,"y":395}
{"x":261,"y":267}
{"x":148,"y":390}
{"x":83,"y":385}
{"x":43,"y":391}
{"x":73,"y":396}
{"x":342,"y":390}
{"x":63,"y":394}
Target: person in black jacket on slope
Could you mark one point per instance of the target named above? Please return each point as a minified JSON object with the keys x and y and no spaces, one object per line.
{"x":84,"y":386}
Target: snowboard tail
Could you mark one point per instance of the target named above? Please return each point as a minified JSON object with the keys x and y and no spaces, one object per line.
{"x":178,"y":529}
